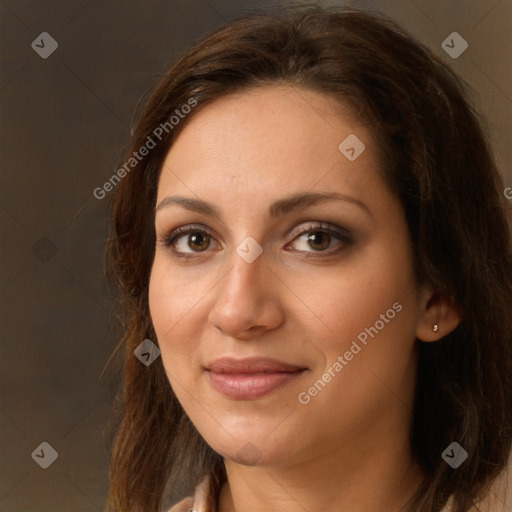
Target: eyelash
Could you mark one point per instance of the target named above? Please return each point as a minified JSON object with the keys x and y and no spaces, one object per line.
{"x":168,"y":241}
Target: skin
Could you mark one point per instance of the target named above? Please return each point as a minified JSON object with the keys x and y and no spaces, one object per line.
{"x":303,"y":303}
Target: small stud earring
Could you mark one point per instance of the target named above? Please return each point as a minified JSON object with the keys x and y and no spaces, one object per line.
{"x":435,"y":328}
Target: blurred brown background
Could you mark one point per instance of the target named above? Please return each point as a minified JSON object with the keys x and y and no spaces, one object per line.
{"x":64,"y":121}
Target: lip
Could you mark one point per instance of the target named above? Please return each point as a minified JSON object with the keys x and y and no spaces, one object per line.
{"x":251,"y":365}
{"x":246,"y":379}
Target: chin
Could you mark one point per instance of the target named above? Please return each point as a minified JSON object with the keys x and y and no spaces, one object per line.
{"x":253,"y":446}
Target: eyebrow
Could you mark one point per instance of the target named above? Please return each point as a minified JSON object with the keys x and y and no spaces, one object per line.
{"x":276,"y":209}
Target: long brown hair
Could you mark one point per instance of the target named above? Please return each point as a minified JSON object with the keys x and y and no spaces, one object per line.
{"x":436,"y":159}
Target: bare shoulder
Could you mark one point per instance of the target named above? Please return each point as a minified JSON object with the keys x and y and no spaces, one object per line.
{"x":184,"y":505}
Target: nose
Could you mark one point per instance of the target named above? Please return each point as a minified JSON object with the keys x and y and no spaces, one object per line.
{"x":247,"y":302}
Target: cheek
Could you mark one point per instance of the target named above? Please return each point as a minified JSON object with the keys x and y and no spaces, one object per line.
{"x":352,"y":297}
{"x":173,"y":302}
{"x":371,"y":317}
{"x":371,"y":327}
{"x":175,"y":294}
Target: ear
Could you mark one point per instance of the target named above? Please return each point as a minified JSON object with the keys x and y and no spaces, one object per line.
{"x":436,"y":310}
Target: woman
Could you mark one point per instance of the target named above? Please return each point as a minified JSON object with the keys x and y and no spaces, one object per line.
{"x":313,"y":232}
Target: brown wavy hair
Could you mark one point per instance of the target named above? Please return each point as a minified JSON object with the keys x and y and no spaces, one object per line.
{"x":435,"y":158}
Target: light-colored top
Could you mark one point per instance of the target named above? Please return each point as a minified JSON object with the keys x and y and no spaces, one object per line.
{"x":197,"y":503}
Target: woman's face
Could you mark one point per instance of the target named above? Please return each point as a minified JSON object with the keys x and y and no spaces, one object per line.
{"x":286,"y":308}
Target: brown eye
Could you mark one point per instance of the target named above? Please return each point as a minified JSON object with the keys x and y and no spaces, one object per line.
{"x":198,"y":241}
{"x":187,"y":240}
{"x":319,"y":240}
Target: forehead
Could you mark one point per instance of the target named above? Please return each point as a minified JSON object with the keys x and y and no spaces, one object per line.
{"x":276,"y":138}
